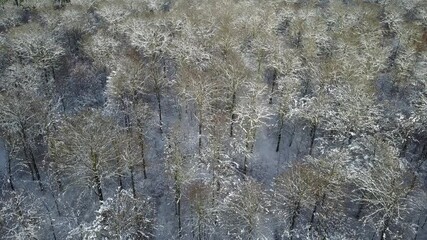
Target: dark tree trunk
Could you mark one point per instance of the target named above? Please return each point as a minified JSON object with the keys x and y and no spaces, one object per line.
{"x":313,"y":137}
{"x":294,"y":217}
{"x":179,"y":219}
{"x":98,"y":187}
{"x":52,"y":228}
{"x":178,"y":206}
{"x":313,"y":215}
{"x":53,"y":73}
{"x":56,"y":204}
{"x":245,"y":169}
{"x":200,"y":135}
{"x":132,"y":181}
{"x":28,"y":162}
{"x":9,"y":173}
{"x":46,"y":75}
{"x":158,"y":97}
{"x":384,"y":229}
{"x":273,"y":84}
{"x":36,"y":170}
{"x":30,"y":156}
{"x":359,"y":211}
{"x":144,"y":164}
{"x":279,"y":137}
{"x":96,"y":178}
{"x":318,"y":204}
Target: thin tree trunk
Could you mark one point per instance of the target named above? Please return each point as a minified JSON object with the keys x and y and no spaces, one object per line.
{"x":273,"y":84}
{"x":9,"y":173}
{"x":46,"y":75}
{"x":158,"y":97}
{"x":200,"y":136}
{"x":295,"y":215}
{"x":9,"y":163}
{"x":98,"y":187}
{"x":132,"y":181}
{"x":53,"y":73}
{"x":179,"y":220}
{"x":315,"y":210}
{"x":31,"y":157}
{"x":56,"y":204}
{"x":144,"y":164}
{"x":245,"y":165}
{"x":313,"y":215}
{"x":50,"y":222}
{"x":36,"y":170}
{"x":178,"y":207}
{"x":27,"y":158}
{"x":313,"y":137}
{"x":279,"y":137}
{"x":249,"y":149}
{"x":96,"y":177}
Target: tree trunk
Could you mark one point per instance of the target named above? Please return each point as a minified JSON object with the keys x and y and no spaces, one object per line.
{"x":158,"y":97}
{"x":30,"y":156}
{"x":384,"y":229}
{"x":178,"y":207}
{"x":36,"y":170}
{"x":313,"y":213}
{"x":96,"y":178}
{"x":53,"y":73}
{"x":9,"y":173}
{"x":132,"y":181}
{"x":279,"y":137}
{"x":51,"y":223}
{"x":360,"y":208}
{"x":56,"y":204}
{"x":46,"y":75}
{"x":295,"y":215}
{"x":200,"y":135}
{"x":27,"y":159}
{"x":249,"y":148}
{"x":273,"y":84}
{"x":313,"y":137}
{"x":245,"y":165}
{"x":144,"y":164}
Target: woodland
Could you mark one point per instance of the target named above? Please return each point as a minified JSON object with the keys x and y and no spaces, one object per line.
{"x":213,"y":119}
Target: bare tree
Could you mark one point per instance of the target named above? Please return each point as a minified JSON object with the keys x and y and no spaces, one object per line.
{"x":120,"y":217}
{"x":20,"y":218}
{"x":242,"y":211}
{"x":252,"y":114}
{"x":85,"y":149}
{"x":386,"y":185}
{"x":22,"y":113}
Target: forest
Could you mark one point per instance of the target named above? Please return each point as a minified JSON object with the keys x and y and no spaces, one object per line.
{"x":213,"y":119}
